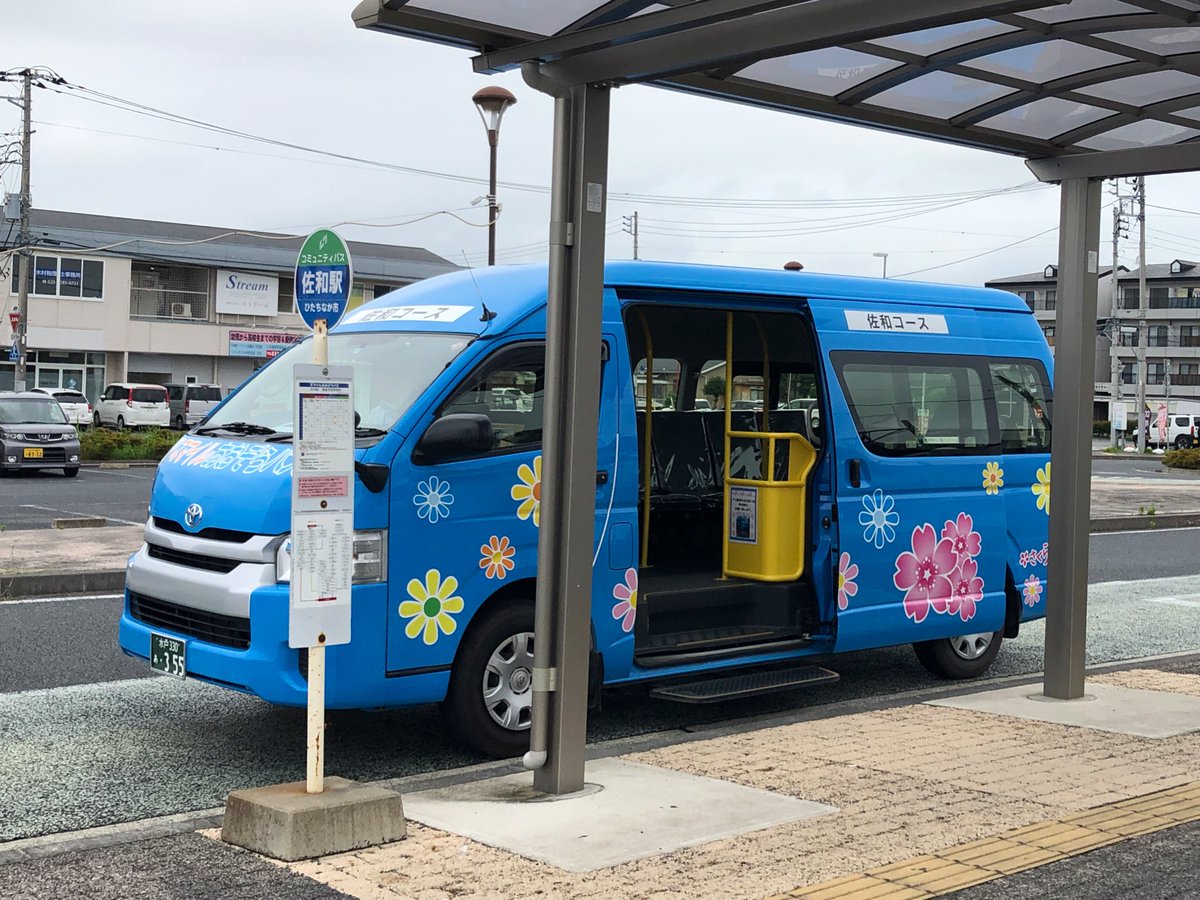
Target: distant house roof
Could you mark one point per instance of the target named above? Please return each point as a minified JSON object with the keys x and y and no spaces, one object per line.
{"x":1049,"y":275}
{"x":1176,"y":268}
{"x":205,"y":245}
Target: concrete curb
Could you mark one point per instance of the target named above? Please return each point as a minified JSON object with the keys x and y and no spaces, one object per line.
{"x":13,"y":587}
{"x":1138,"y":523}
{"x":118,"y":463}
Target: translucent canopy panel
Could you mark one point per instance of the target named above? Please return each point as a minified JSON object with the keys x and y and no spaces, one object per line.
{"x":1037,"y":78}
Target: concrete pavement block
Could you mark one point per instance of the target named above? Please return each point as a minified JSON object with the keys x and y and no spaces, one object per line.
{"x":284,"y":822}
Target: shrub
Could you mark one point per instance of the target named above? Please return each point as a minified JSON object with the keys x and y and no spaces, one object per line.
{"x":100,"y":443}
{"x":1101,"y":428}
{"x":1182,"y":459}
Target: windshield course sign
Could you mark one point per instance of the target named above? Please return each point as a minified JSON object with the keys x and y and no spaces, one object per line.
{"x":323,"y":278}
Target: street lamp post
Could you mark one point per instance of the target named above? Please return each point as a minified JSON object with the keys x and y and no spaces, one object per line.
{"x":884,"y":257}
{"x":491,"y":103}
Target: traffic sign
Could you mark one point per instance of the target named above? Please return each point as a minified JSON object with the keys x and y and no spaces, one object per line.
{"x":14,"y":353}
{"x":323,"y":278}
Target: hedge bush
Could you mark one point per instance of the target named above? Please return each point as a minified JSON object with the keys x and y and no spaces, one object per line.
{"x":1182,"y":459}
{"x":1101,"y":428}
{"x":101,"y":443}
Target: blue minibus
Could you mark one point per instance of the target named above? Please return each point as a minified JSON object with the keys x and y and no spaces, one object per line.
{"x":790,"y":465}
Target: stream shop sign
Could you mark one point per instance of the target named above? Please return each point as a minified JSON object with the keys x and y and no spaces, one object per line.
{"x":244,"y":294}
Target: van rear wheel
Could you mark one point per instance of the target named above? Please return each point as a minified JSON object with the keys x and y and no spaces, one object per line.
{"x":965,"y":656}
{"x":489,"y":706}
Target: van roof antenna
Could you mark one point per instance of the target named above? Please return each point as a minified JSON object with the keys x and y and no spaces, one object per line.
{"x":488,"y":314}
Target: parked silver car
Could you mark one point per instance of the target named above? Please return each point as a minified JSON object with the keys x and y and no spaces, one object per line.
{"x":35,"y":434}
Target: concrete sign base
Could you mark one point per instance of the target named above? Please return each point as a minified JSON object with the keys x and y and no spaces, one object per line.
{"x":284,"y":822}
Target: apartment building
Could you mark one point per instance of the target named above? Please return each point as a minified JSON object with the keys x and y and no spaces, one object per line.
{"x":116,"y":299}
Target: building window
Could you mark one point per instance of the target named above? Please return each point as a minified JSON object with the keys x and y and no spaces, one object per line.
{"x":1189,"y":336}
{"x":1129,"y":337}
{"x":1051,"y":299}
{"x":1027,"y":296}
{"x":66,"y":276}
{"x":1157,"y":336}
{"x":1189,"y":373}
{"x":1049,"y":332}
{"x":169,"y":292}
{"x":287,"y":296}
{"x":1155,"y":372}
{"x":1128,"y":373}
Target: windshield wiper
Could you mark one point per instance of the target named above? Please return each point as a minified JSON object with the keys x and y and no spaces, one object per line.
{"x":364,"y":431}
{"x":279,"y":437}
{"x":237,"y":428}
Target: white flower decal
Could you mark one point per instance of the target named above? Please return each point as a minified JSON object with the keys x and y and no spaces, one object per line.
{"x":433,"y":499}
{"x":879,"y":519}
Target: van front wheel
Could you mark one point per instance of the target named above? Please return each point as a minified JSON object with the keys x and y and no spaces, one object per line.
{"x":965,"y":656}
{"x":489,"y":706}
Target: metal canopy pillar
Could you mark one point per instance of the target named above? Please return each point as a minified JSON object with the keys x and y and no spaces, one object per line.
{"x":1071,"y":448}
{"x":562,"y":638}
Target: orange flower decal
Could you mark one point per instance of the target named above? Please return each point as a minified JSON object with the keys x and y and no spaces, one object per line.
{"x":497,"y":557}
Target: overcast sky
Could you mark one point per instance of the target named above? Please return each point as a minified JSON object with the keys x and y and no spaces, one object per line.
{"x":299,"y":71}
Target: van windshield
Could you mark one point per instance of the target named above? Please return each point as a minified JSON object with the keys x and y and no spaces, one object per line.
{"x":391,"y":369}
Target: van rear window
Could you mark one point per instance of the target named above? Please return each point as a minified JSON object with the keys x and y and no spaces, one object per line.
{"x":906,"y":405}
{"x":204,"y":393}
{"x":70,"y":397}
{"x":149,"y":395}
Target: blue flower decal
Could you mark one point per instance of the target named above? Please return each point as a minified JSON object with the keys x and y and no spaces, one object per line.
{"x":879,"y":519}
{"x":433,"y":499}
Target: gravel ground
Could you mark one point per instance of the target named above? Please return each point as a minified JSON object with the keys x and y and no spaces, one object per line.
{"x":185,"y":867}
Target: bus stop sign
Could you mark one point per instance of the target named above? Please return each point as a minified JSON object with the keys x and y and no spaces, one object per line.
{"x":323,"y":278}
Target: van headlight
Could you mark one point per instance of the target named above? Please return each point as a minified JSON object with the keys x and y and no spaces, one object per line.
{"x":370,"y":558}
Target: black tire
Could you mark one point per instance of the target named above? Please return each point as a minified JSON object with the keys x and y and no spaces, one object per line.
{"x":96,"y":419}
{"x":1182,"y":442}
{"x":71,"y":471}
{"x":467,"y":714}
{"x":120,"y":423}
{"x":179,"y":424}
{"x":941,"y":658}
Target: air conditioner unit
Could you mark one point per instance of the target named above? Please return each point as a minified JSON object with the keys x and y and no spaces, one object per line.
{"x":181,"y":310}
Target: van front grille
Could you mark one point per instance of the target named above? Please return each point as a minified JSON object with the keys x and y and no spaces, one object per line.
{"x":215,"y":628}
{"x":211,"y":534}
{"x":192,"y":560}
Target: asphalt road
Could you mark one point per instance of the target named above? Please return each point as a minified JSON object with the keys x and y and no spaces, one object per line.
{"x":35,"y":499}
{"x":111,"y":748}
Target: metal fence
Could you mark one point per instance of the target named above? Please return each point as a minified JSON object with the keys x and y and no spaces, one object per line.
{"x":169,"y":292}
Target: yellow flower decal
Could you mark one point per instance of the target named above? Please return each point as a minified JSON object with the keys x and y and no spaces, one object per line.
{"x":528,"y":491}
{"x":1041,"y":490}
{"x":993,"y":478}
{"x":429,"y":609}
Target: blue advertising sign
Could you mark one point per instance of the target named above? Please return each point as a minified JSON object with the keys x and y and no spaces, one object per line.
{"x":14,"y":353}
{"x":323,"y":278}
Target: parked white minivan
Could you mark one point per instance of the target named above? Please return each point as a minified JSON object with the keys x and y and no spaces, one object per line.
{"x":129,"y":405}
{"x":74,"y":404}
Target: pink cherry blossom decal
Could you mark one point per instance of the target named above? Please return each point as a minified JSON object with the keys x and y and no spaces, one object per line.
{"x":847,"y":572}
{"x":968,"y":590}
{"x":962,"y":535}
{"x":923,"y":573}
{"x":1031,"y":591}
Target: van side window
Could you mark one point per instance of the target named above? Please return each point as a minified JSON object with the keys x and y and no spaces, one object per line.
{"x":1022,"y":406}
{"x":508,"y":389}
{"x":906,"y":405}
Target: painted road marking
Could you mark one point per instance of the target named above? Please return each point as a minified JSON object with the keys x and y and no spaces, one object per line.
{"x":977,"y":862}
{"x":149,"y":469}
{"x":74,"y":512}
{"x":1192,"y":601}
{"x":1096,"y":534}
{"x":21,"y":600}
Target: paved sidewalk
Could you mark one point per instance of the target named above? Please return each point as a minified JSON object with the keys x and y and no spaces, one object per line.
{"x":907,"y":782}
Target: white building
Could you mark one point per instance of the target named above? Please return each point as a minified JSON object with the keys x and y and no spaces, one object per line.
{"x":114,"y":299}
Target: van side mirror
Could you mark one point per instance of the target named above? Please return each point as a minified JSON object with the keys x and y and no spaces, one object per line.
{"x":456,"y":435}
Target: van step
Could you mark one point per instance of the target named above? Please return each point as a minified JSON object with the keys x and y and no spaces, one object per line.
{"x":750,"y":684}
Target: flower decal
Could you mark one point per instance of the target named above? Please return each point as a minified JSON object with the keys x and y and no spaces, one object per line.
{"x":967,"y":590}
{"x":528,"y":491}
{"x":993,"y":478}
{"x":1041,"y":489}
{"x":846,"y":588}
{"x":922,"y":573}
{"x":626,"y":595}
{"x":962,"y":536}
{"x":879,"y":519}
{"x":433,"y":499}
{"x":497,"y":557}
{"x":1031,"y":590}
{"x":430,"y":609}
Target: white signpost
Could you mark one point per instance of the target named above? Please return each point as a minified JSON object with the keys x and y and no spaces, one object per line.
{"x":322,"y":482}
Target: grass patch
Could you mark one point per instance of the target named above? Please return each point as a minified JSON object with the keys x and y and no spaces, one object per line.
{"x":103,"y":444}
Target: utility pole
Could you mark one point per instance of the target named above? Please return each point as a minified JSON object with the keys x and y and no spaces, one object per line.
{"x":1114,"y":321}
{"x":24,"y":253}
{"x":629,"y":224}
{"x":1143,"y":306}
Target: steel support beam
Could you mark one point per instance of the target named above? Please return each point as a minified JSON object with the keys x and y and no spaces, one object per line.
{"x":1159,"y":160}
{"x":568,"y":514}
{"x":1071,"y":448}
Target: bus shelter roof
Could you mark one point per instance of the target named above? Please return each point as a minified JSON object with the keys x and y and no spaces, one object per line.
{"x":1114,"y":84}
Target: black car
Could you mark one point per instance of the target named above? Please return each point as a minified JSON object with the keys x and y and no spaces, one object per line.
{"x":35,"y":434}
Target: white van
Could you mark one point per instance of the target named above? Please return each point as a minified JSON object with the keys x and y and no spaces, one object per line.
{"x":1183,"y":431}
{"x":191,"y":402}
{"x":129,"y":405}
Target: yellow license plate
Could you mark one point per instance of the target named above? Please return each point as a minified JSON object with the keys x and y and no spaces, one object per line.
{"x":33,"y":452}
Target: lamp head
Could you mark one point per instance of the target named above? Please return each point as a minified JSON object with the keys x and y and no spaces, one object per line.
{"x":491,"y":102}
